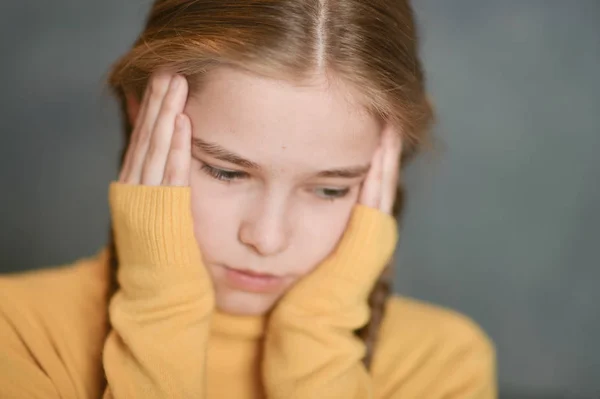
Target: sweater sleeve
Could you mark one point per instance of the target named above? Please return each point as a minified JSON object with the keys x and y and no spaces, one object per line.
{"x":310,"y":348}
{"x":161,"y":312}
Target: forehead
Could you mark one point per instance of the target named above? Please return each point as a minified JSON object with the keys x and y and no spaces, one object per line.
{"x":273,"y":121}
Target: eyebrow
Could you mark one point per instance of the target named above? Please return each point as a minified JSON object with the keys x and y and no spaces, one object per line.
{"x":216,"y":151}
{"x":346,"y":173}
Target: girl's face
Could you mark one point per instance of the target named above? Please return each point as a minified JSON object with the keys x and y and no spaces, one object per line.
{"x":276,"y":170}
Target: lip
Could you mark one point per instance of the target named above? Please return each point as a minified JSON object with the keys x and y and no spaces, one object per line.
{"x":250,"y":281}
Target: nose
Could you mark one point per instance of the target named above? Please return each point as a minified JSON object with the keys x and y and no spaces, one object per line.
{"x":266,"y":228}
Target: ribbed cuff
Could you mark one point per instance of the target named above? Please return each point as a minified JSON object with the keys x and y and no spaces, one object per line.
{"x":349,"y":273}
{"x":367,"y":245}
{"x":153,"y":229}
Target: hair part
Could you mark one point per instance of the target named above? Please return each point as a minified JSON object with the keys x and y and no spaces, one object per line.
{"x":371,"y":46}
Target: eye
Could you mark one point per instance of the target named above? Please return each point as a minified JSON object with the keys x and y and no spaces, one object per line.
{"x":222,"y":174}
{"x":332,"y":193}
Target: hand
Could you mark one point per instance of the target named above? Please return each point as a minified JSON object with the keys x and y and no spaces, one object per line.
{"x":160,"y":149}
{"x":165,"y":292}
{"x":379,"y":188}
{"x":157,"y":165}
{"x":367,"y":243}
{"x":310,"y":350}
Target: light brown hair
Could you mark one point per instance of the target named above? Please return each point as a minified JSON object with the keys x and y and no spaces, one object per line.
{"x":370,"y":45}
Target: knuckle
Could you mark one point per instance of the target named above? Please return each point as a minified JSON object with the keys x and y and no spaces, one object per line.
{"x":177,"y":144}
{"x":145,"y":131}
{"x":148,"y":176}
{"x":151,"y":153}
{"x":128,"y":179}
{"x":173,"y":163}
{"x":168,"y":107}
{"x":170,"y":177}
{"x":160,"y":141}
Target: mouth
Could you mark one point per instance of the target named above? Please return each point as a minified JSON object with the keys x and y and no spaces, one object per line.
{"x":251,"y":281}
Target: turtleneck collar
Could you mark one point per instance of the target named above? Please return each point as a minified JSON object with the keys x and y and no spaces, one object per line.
{"x":238,"y":327}
{"x":223,"y":324}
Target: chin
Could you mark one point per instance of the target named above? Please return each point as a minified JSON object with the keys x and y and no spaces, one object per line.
{"x":244,"y":303}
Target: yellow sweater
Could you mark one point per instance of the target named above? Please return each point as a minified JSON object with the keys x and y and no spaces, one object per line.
{"x":168,"y":341}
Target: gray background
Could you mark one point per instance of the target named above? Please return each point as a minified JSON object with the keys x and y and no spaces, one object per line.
{"x":503,"y":212}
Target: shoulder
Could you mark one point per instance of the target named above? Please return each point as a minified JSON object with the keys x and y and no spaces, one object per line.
{"x":53,"y":321}
{"x":424,"y":322}
{"x":433,"y":351}
{"x":59,"y":290}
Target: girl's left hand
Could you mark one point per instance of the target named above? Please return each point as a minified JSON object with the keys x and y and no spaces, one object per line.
{"x":368,"y":241}
{"x":310,"y":349}
{"x":380,"y":186}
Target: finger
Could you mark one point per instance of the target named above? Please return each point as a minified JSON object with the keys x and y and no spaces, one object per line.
{"x":126,"y":167}
{"x":391,"y":167}
{"x":157,"y":88}
{"x":370,"y":194}
{"x":177,"y":169}
{"x":160,"y":142}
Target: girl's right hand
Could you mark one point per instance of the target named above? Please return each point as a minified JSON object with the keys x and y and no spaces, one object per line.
{"x":164,"y":291}
{"x":159,"y":152}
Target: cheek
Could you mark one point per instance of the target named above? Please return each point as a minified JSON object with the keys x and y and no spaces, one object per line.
{"x":319,"y":233}
{"x":214,"y":218}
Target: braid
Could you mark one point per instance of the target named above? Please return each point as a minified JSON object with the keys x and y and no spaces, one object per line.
{"x":113,"y":265}
{"x":379,"y":296}
{"x":377,"y":300}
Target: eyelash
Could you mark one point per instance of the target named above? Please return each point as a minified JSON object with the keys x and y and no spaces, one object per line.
{"x":223,"y":175}
{"x":228,"y":176}
{"x":333,"y":193}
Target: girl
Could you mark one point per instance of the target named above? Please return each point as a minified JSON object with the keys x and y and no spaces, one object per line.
{"x":252,"y":222}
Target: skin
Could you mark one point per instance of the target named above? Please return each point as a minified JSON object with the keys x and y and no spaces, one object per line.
{"x":279,"y":214}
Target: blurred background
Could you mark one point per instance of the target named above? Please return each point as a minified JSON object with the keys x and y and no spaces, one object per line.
{"x":503,"y":212}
